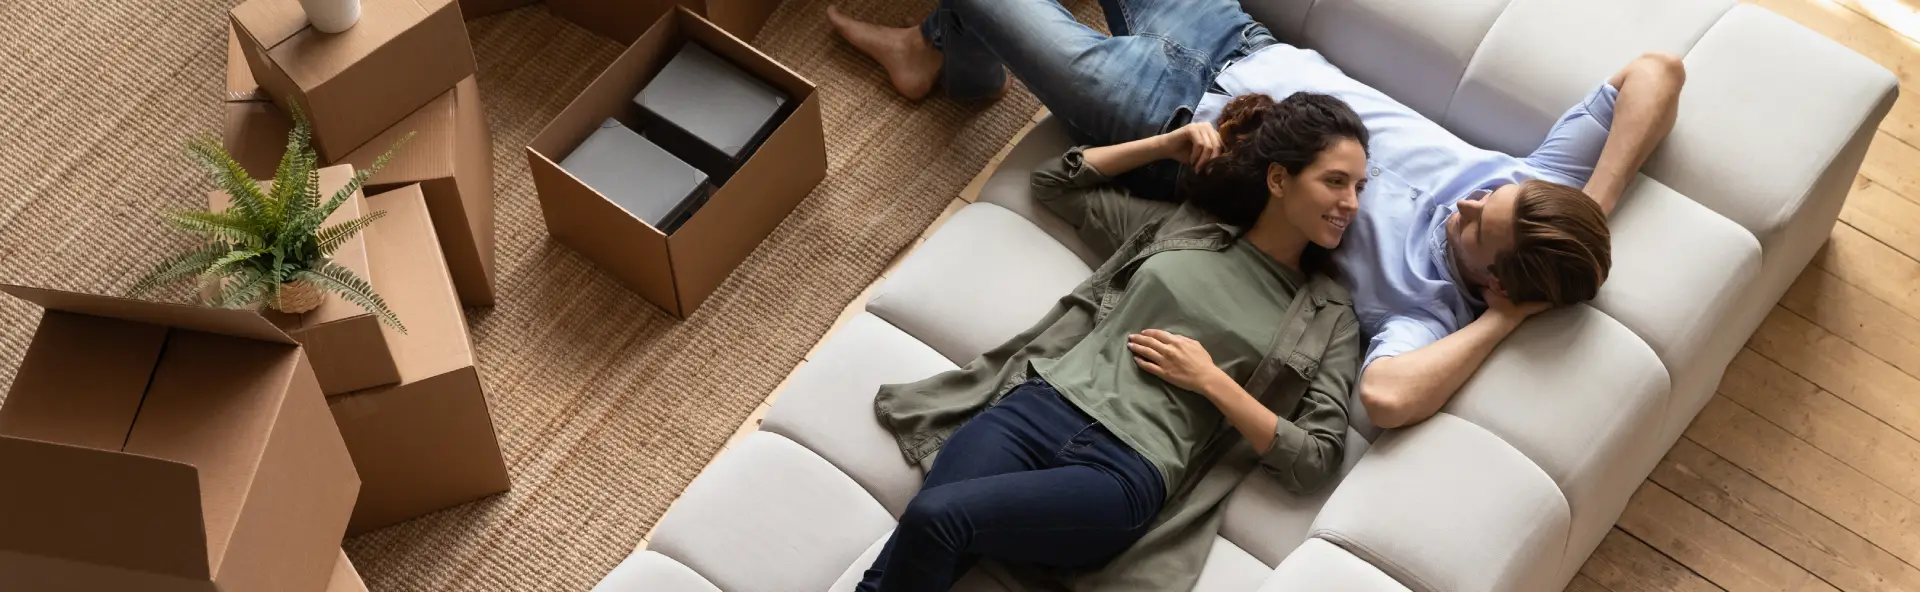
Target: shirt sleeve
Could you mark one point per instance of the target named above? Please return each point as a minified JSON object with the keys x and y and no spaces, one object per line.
{"x":1401,"y":334}
{"x":1103,"y":213}
{"x":1307,"y":453}
{"x":1572,"y":147}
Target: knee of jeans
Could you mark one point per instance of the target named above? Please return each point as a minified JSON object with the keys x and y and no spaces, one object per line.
{"x":932,"y":512}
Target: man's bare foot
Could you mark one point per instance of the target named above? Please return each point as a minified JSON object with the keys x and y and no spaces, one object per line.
{"x":911,"y":62}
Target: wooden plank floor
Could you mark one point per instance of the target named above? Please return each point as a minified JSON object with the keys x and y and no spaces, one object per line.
{"x":1803,"y":473}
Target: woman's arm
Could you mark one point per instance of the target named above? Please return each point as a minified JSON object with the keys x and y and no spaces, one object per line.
{"x":1078,"y":186}
{"x":1194,"y":143}
{"x":1302,"y":455}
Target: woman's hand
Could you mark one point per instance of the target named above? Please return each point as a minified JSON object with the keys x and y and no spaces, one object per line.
{"x":1193,"y":144}
{"x":1179,"y":360}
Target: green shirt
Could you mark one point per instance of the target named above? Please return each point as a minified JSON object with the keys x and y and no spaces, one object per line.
{"x":1231,"y":301}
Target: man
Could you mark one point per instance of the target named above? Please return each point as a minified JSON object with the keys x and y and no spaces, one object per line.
{"x":1454,"y":245}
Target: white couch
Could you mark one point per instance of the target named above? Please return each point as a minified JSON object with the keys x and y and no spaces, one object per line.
{"x":1513,"y":484}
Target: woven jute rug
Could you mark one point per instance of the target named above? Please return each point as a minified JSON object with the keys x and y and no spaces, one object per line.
{"x":606,"y":406}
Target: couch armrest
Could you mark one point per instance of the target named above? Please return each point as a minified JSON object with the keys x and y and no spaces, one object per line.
{"x":1774,"y":121}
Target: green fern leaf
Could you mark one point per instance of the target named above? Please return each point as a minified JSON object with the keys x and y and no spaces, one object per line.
{"x":230,"y":177}
{"x":331,"y":237}
{"x":224,"y":226}
{"x":227,"y":265}
{"x":339,"y":279}
{"x":174,"y":268}
{"x":293,"y":163}
{"x":247,"y":287}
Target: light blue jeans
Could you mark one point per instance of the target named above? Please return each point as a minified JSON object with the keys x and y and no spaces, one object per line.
{"x":1142,"y":80}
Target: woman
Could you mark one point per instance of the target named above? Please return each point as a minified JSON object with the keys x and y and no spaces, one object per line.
{"x":1149,"y":392}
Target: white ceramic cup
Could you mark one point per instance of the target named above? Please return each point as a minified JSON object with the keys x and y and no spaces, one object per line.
{"x":332,"y":16}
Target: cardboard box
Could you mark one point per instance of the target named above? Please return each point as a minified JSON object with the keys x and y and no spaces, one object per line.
{"x":165,"y":447}
{"x":678,"y":272}
{"x":347,"y":345}
{"x":255,"y":130}
{"x":426,"y":443}
{"x":625,"y":20}
{"x":474,"y":9}
{"x":451,"y":158}
{"x":345,"y":578}
{"x":355,"y":83}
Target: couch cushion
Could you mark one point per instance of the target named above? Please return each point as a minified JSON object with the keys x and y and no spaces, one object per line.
{"x":1413,"y":51}
{"x":1544,"y":55}
{"x":828,"y":405}
{"x":1732,"y":149}
{"x":1318,"y":565}
{"x":1447,"y":505}
{"x":1269,"y":521}
{"x":648,"y":571}
{"x":770,"y":515}
{"x":976,"y":580}
{"x":1584,"y":399}
{"x":982,"y":278}
{"x":1678,"y":267}
{"x":1011,"y":185}
{"x":1230,"y":569}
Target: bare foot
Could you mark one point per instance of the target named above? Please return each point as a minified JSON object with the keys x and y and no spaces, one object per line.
{"x":911,"y":62}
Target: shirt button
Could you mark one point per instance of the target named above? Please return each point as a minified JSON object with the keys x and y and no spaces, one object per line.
{"x":1374,"y":173}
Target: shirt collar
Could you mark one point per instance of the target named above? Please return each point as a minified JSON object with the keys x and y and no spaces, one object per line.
{"x":1443,"y":260}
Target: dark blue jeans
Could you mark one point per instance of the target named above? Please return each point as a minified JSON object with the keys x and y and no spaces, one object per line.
{"x":1143,"y":80}
{"x":1030,"y":481}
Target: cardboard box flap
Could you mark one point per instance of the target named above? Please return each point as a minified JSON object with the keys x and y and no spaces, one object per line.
{"x":235,"y":322}
{"x":82,"y":380}
{"x":102,"y":507}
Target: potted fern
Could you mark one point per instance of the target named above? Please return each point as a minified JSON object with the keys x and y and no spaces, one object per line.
{"x":268,"y":247}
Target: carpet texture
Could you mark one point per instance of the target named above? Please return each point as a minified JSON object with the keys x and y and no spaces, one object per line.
{"x":606,"y":407}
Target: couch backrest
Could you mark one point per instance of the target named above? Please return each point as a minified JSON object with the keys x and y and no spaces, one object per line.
{"x":1477,"y":66}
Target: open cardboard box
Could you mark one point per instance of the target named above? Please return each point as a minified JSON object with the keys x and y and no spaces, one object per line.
{"x":163,"y":447}
{"x":355,"y":83}
{"x":677,"y":272}
{"x":451,"y":158}
{"x":625,"y":20}
{"x":347,"y":345}
{"x":345,"y":578}
{"x":427,"y":443}
{"x":474,"y":9}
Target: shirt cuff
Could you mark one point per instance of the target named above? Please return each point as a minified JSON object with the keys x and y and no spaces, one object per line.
{"x":1079,"y":172}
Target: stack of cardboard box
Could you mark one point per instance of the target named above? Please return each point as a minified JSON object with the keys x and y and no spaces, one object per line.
{"x":409,"y":406}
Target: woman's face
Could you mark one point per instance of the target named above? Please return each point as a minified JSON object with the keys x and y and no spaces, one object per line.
{"x":1322,"y":199}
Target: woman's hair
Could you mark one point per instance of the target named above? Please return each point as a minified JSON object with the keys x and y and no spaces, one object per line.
{"x":1256,"y":132}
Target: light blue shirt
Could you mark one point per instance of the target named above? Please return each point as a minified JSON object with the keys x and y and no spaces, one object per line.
{"x":1394,"y":256}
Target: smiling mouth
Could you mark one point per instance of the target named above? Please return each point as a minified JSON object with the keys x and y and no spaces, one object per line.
{"x":1338,"y":222}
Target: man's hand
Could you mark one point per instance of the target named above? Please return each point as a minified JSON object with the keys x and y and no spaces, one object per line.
{"x":1193,"y":144}
{"x":1498,"y":304}
{"x":1179,"y":360}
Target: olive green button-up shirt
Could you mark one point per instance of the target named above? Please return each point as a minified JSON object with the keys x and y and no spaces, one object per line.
{"x":1305,"y":377}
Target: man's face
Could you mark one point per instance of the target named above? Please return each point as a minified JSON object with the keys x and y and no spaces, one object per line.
{"x":1480,"y":231}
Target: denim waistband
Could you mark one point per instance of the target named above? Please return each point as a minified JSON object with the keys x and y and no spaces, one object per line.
{"x":1254,"y":37}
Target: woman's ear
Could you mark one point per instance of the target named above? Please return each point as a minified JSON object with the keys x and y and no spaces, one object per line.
{"x":1276,"y":180}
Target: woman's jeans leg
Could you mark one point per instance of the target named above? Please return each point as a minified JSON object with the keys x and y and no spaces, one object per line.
{"x":1031,"y":481}
{"x":1143,"y":81}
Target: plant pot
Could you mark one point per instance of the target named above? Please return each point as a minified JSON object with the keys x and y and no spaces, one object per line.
{"x":332,"y":16}
{"x":298,"y":297}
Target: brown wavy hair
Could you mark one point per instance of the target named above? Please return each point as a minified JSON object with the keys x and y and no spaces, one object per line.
{"x":1562,"y":249}
{"x":1257,"y":132}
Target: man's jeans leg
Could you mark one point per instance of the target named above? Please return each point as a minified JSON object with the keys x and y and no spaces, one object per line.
{"x":1107,"y":90}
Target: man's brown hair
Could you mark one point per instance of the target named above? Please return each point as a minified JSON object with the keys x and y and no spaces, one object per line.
{"x":1562,"y":249}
